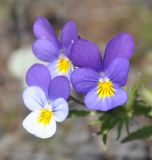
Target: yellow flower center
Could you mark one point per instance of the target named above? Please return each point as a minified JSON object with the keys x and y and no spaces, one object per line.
{"x":63,"y":65}
{"x":105,"y":89}
{"x":45,"y":116}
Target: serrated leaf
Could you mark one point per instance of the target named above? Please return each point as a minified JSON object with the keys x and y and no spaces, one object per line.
{"x":141,"y":108}
{"x":78,"y":113}
{"x":139,"y":134}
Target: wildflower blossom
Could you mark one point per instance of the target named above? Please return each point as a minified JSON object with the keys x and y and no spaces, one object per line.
{"x":102,"y":80}
{"x":48,"y":48}
{"x":46,"y":99}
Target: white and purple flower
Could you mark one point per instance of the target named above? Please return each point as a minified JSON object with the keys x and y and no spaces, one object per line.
{"x":56,"y":52}
{"x":46,"y":99}
{"x":102,"y":80}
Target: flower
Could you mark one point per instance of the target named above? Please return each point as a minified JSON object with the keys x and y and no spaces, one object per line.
{"x":48,"y":48}
{"x":46,"y":99}
{"x":102,"y":80}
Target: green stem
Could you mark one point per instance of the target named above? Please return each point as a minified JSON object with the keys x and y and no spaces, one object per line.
{"x":76,"y":100}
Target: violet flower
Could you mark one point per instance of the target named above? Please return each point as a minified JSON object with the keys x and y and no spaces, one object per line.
{"x":56,"y":52}
{"x":46,"y":99}
{"x":102,"y":80}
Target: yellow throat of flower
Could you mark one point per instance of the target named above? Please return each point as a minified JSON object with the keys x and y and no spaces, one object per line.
{"x":45,"y":116}
{"x":63,"y":65}
{"x":105,"y":89}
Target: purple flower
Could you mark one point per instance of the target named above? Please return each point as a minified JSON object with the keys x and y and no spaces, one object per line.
{"x":46,"y":99}
{"x":48,"y":48}
{"x":102,"y":80}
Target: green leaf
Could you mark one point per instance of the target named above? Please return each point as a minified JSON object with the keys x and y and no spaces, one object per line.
{"x":109,"y":121}
{"x":105,"y":136}
{"x":133,"y":94}
{"x":142,"y":108}
{"x":119,"y":129}
{"x":78,"y":113}
{"x":139,"y":134}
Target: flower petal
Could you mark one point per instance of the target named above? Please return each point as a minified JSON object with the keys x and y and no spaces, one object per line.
{"x":69,"y":34}
{"x":60,"y":109}
{"x":118,"y":70}
{"x":34,"y":98}
{"x":43,"y":29}
{"x":86,"y":54}
{"x":93,"y":102}
{"x":45,"y":50}
{"x":59,"y":88}
{"x":83,"y":79}
{"x":53,"y":68}
{"x":38,"y":75}
{"x":32,"y":125}
{"x":121,"y":45}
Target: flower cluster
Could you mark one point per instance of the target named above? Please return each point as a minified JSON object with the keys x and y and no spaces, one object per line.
{"x":73,"y":60}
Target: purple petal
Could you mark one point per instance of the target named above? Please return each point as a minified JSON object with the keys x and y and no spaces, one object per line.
{"x":83,"y":80}
{"x":86,"y":54}
{"x":69,"y":34}
{"x":59,"y":88}
{"x":121,"y":45}
{"x":45,"y":50}
{"x":93,"y":102}
{"x":43,"y":29}
{"x":118,"y":70}
{"x":38,"y":75}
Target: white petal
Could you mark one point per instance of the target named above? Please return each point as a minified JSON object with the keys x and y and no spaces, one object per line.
{"x":53,"y":68}
{"x":54,"y":71}
{"x":32,"y":125}
{"x":60,"y":109}
{"x":34,"y":98}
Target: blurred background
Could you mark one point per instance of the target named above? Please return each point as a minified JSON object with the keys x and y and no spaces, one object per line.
{"x":97,"y":20}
